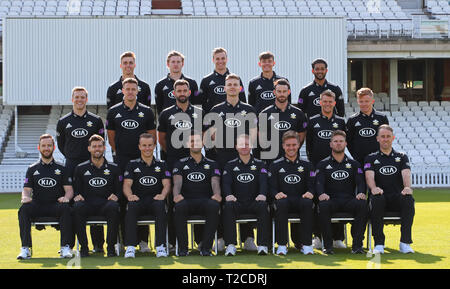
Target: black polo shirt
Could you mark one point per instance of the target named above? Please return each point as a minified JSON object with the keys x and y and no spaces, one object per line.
{"x":97,"y":184}
{"x":293,"y":178}
{"x":129,"y":124}
{"x":73,"y":133}
{"x":114,"y":94}
{"x":318,"y":135}
{"x":234,"y":119}
{"x":280,"y":121}
{"x":174,"y":119}
{"x":260,"y":92}
{"x":342,"y":180}
{"x":164,"y":96}
{"x":147,"y":179}
{"x":244,"y":181}
{"x":212,"y":90}
{"x":47,"y":181}
{"x":388,"y":170}
{"x":196,"y":177}
{"x":309,"y":98}
{"x":362,"y":133}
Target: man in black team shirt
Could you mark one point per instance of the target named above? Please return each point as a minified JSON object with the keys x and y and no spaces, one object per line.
{"x":196,"y":191}
{"x":260,"y":88}
{"x":244,"y":186}
{"x":388,"y":176}
{"x":291,"y":182}
{"x":362,"y":127}
{"x":147,"y":182}
{"x":72,"y":135}
{"x":97,"y":186}
{"x":115,"y":94}
{"x":46,"y":192}
{"x":164,"y":89}
{"x":340,"y":187}
{"x":125,"y":122}
{"x":309,"y":98}
{"x":212,"y":90}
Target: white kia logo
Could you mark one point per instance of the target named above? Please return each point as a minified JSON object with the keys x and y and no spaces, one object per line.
{"x":325,"y":134}
{"x":267,"y":95}
{"x":196,"y":177}
{"x":292,"y":179}
{"x":367,"y":132}
{"x":130,"y":124}
{"x":316,"y":101}
{"x":388,"y":170}
{"x":245,"y":178}
{"x":219,"y":89}
{"x":232,"y":122}
{"x":47,"y":182}
{"x":340,"y":175}
{"x":79,"y":133}
{"x":282,"y":125}
{"x":97,"y":182}
{"x":183,"y":125}
{"x":170,"y":95}
{"x":148,"y":181}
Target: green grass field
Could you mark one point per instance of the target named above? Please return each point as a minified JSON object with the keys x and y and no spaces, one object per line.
{"x":431,"y":236}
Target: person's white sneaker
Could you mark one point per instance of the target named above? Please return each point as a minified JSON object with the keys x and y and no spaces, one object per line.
{"x":263,"y":250}
{"x":130,"y":252}
{"x":282,"y":250}
{"x":231,"y":250}
{"x":405,"y":248}
{"x":317,"y":243}
{"x":161,"y":251}
{"x":24,"y":253}
{"x":66,"y":252}
{"x":220,"y":245}
{"x":249,"y":244}
{"x":307,"y":250}
{"x":379,"y":249}
{"x":143,"y":247}
{"x":338,"y":244}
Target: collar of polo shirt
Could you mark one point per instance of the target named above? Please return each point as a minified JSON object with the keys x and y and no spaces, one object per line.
{"x":104,"y":165}
{"x":49,"y":164}
{"x":345,"y":159}
{"x":152,"y":163}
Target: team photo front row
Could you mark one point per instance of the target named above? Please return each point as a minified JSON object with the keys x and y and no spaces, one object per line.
{"x":220,"y":193}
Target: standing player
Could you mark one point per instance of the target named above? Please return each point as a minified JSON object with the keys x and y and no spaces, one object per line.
{"x":164,"y":89}
{"x":46,"y":193}
{"x":97,"y":186}
{"x":340,"y":187}
{"x":244,"y":186}
{"x":212,"y":87}
{"x":260,"y":88}
{"x":72,"y":135}
{"x":309,"y":98}
{"x":196,"y":191}
{"x":291,"y":182}
{"x":388,"y":176}
{"x":115,"y":93}
{"x":146,"y":186}
{"x":362,"y":127}
{"x":125,"y":122}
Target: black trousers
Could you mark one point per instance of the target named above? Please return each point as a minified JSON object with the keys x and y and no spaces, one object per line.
{"x":36,"y":209}
{"x":109,"y":209}
{"x":143,"y":231}
{"x":379,"y":204}
{"x":203,"y":207}
{"x":232,"y":211}
{"x":302,"y":206}
{"x":144,"y":207}
{"x":359,"y":210}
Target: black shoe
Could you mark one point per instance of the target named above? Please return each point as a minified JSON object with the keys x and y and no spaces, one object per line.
{"x":183,"y":253}
{"x":358,"y":251}
{"x":328,"y":251}
{"x":298,"y":246}
{"x":84,"y":253}
{"x":205,"y":253}
{"x":111,"y":251}
{"x":98,"y":249}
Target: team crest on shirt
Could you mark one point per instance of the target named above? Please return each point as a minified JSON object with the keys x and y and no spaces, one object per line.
{"x":194,"y":115}
{"x":293,"y":116}
{"x":89,"y":123}
{"x":348,"y":165}
{"x":141,"y":114}
{"x":335,"y":125}
{"x":253,"y":168}
{"x":206,"y":167}
{"x":157,"y":169}
{"x":243,"y":112}
{"x":397,"y":159}
{"x":107,"y":172}
{"x":376,"y":122}
{"x":57,"y":172}
{"x":300,"y":169}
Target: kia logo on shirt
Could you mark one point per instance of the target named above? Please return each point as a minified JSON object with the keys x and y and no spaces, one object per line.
{"x":183,"y":125}
{"x":170,"y":95}
{"x":282,"y":125}
{"x":388,"y":170}
{"x":245,"y":178}
{"x":367,"y":132}
{"x":267,"y":95}
{"x":316,"y":101}
{"x":340,"y":175}
{"x":148,"y":181}
{"x":232,"y":122}
{"x":129,"y":124}
{"x":219,"y":89}
{"x":79,"y":133}
{"x":325,"y":134}
{"x":47,"y":182}
{"x":97,"y":182}
{"x":292,"y":179}
{"x":196,"y":177}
